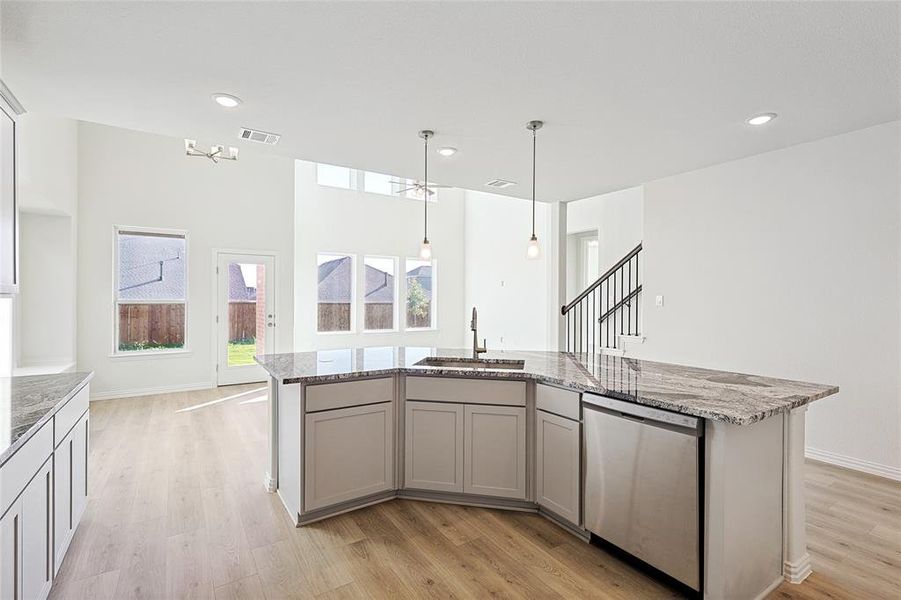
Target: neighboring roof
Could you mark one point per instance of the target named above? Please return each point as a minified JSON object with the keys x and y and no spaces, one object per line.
{"x":151,"y":267}
{"x":239,"y":289}
{"x":335,"y":283}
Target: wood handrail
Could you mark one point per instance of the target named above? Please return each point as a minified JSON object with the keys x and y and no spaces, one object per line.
{"x":601,"y":279}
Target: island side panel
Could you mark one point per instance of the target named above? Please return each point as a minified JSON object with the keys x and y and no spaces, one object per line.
{"x":796,"y":566}
{"x":289,"y":447}
{"x":271,"y":479}
{"x":743,"y":508}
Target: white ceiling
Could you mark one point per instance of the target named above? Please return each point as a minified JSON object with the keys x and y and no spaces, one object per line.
{"x":630,"y":92}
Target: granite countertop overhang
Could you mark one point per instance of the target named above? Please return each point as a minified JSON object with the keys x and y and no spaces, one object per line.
{"x":28,"y":402}
{"x":736,"y":398}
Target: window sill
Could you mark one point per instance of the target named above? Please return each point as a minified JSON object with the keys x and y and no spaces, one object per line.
{"x":415,"y":329}
{"x":335,"y":332}
{"x":378,"y":331}
{"x":150,"y":354}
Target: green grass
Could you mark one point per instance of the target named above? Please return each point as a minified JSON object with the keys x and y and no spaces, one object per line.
{"x":241,"y":353}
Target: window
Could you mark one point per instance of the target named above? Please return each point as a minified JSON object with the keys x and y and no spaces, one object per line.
{"x":335,"y":292}
{"x":378,"y":183}
{"x":150,"y":290}
{"x":420,"y":277}
{"x":332,"y":176}
{"x":380,"y":292}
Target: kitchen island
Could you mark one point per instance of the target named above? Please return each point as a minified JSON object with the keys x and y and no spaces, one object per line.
{"x":694,"y":471}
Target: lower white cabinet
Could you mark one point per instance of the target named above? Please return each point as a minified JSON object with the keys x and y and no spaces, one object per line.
{"x":494,"y":455}
{"x":433,"y":446}
{"x":348,"y":454}
{"x":26,"y":553}
{"x":557,"y":451}
{"x":70,"y":485}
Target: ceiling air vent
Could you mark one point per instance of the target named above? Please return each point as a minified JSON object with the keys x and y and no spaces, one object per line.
{"x":500,"y":183}
{"x":255,"y":135}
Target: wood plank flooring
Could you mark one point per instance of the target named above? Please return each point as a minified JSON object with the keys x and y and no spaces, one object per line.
{"x":177,"y":510}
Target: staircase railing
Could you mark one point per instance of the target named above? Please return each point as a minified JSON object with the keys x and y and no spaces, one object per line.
{"x":606,"y":309}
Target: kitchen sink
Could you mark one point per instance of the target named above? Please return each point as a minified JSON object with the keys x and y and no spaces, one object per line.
{"x":450,"y":362}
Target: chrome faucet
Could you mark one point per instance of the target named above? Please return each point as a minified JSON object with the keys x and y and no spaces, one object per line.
{"x":474,"y":325}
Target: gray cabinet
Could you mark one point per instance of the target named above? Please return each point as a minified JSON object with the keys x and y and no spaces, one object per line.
{"x":70,"y":485}
{"x":494,"y":455}
{"x":26,"y":559}
{"x":348,"y":454}
{"x":37,"y":529}
{"x":433,"y":446}
{"x":557,"y":469}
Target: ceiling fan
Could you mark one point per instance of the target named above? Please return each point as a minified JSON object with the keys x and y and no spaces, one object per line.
{"x":415,"y":185}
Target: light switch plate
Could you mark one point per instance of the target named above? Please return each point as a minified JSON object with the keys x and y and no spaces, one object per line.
{"x":659,"y":301}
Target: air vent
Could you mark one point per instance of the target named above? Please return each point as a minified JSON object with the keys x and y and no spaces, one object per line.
{"x":500,"y":183}
{"x":255,"y":135}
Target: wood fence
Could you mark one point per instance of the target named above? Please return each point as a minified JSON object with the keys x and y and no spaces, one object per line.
{"x":242,"y":321}
{"x":153,"y":324}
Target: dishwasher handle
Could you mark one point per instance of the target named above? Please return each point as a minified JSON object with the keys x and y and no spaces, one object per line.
{"x":644,"y":414}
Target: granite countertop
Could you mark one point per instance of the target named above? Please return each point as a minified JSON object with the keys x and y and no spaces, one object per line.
{"x":719,"y":395}
{"x":26,"y":403}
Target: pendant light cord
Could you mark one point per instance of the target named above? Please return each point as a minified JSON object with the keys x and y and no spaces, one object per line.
{"x":425,"y":192}
{"x":534,"y":137}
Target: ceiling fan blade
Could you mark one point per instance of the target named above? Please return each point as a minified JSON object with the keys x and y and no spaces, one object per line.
{"x":406,"y":190}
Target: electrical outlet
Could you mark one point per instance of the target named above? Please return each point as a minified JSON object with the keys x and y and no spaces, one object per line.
{"x":659,"y":301}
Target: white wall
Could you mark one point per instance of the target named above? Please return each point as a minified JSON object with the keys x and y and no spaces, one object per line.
{"x":353,"y":222}
{"x":618,"y":217}
{"x":47,"y":158}
{"x":138,"y":179}
{"x":787,"y":264}
{"x":510,"y":291}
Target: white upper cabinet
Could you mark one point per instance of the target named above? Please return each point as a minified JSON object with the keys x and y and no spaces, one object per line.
{"x":9,"y":247}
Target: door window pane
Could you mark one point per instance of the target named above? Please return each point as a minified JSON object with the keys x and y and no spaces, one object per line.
{"x":420,"y":276}
{"x":379,"y":294}
{"x":151,"y":291}
{"x":334,"y":176}
{"x":334,"y":292}
{"x":246,"y":312}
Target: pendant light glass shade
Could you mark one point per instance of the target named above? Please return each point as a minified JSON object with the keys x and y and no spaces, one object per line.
{"x":425,"y":250}
{"x":533,"y":251}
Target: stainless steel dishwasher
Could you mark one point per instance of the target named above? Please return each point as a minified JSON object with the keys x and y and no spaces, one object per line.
{"x":642,"y":478}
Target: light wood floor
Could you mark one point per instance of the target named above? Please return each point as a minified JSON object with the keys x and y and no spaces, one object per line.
{"x":178,"y":510}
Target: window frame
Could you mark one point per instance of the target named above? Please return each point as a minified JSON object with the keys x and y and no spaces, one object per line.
{"x":433,"y":326}
{"x":155,"y":352}
{"x":353,"y":292}
{"x":395,"y":311}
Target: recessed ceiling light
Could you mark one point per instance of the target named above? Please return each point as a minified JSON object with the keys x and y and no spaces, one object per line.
{"x":226,"y":100}
{"x":447,"y":151}
{"x":761,"y":119}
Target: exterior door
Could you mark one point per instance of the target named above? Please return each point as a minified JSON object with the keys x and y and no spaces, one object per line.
{"x":245,"y":315}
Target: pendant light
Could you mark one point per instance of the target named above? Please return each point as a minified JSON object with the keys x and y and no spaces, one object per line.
{"x":533,"y":251}
{"x":425,"y":249}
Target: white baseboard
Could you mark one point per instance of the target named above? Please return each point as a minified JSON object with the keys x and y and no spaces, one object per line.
{"x":150,"y":391}
{"x":848,"y":462}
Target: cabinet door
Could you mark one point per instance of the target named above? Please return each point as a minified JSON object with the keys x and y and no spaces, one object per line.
{"x":494,"y":456}
{"x":348,"y":454}
{"x":433,"y":446}
{"x":37,"y":528}
{"x":558,"y":465}
{"x":80,"y":449}
{"x":63,"y":491}
{"x":11,"y":552}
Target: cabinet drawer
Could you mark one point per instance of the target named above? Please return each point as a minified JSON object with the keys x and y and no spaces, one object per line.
{"x":66,"y":417}
{"x":21,"y":466}
{"x":466,"y":391}
{"x":558,"y":401}
{"x":328,"y":396}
